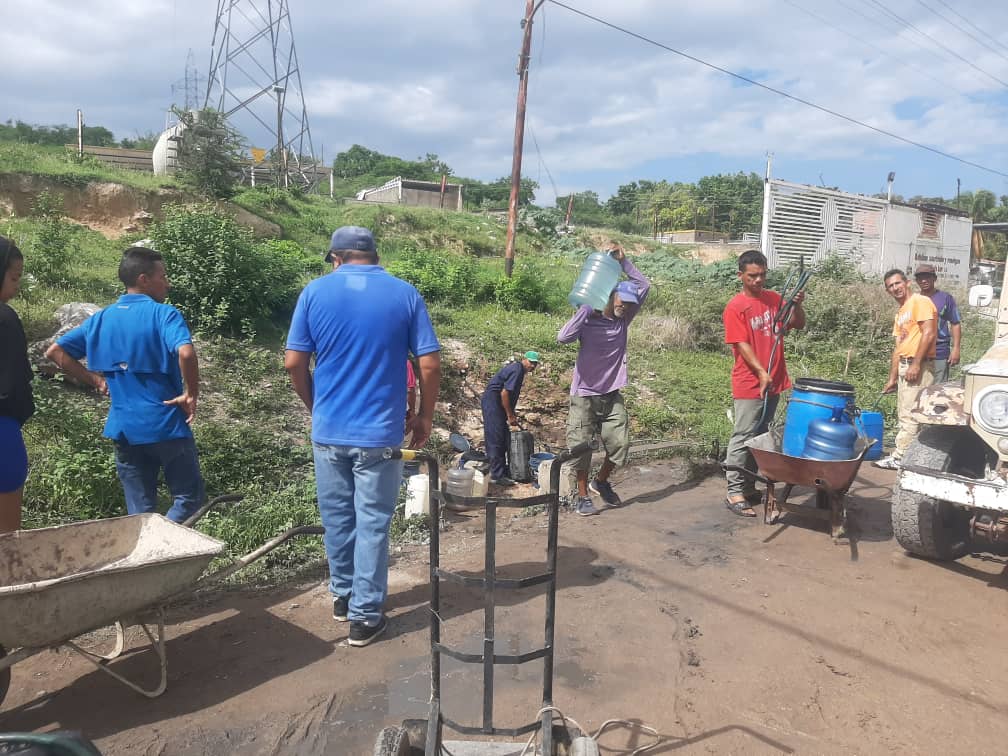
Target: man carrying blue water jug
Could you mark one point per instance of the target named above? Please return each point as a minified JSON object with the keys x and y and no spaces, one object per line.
{"x":596,"y":404}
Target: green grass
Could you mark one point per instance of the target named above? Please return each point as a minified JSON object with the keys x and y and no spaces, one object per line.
{"x":64,"y":167}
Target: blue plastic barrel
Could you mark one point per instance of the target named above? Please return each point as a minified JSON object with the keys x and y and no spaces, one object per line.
{"x":873,"y":426}
{"x":812,"y":399}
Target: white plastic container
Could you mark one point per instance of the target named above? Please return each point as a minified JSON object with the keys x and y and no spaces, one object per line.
{"x":480,"y":482}
{"x":417,"y":495}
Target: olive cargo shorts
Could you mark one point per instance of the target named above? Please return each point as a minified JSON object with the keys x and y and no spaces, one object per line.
{"x":604,"y":415}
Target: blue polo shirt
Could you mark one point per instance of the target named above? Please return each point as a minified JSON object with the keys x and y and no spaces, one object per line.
{"x":134,"y":343}
{"x":510,"y":377}
{"x":361,"y":323}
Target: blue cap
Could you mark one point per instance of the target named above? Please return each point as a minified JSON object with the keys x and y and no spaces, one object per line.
{"x":350,"y":238}
{"x":628,"y":292}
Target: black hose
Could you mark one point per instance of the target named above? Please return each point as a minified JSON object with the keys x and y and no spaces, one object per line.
{"x":798,"y":279}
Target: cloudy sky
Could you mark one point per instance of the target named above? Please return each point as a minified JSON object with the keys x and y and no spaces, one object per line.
{"x":406,"y":77}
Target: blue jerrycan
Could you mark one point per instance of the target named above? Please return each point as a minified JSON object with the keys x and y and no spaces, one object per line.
{"x":599,"y":276}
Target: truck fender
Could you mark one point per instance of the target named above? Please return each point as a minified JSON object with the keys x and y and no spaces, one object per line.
{"x":941,"y":404}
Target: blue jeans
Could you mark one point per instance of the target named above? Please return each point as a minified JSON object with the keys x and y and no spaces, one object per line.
{"x":138,"y":466}
{"x":357,"y":491}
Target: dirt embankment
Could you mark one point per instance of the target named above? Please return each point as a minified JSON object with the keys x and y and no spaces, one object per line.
{"x":109,"y":208}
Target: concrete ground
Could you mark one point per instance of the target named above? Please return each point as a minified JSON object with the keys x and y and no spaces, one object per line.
{"x":724,"y":634}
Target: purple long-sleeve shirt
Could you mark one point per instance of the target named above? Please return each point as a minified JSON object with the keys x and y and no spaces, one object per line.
{"x":601,"y":360}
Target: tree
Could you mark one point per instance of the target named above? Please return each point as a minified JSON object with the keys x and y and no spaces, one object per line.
{"x":209,"y":153}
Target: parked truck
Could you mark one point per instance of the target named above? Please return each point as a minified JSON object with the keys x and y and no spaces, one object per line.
{"x":951,"y":498}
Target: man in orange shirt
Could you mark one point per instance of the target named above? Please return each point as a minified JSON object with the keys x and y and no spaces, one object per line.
{"x":912,"y":365}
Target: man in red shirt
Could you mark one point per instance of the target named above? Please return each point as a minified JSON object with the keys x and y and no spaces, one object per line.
{"x":749,"y":328}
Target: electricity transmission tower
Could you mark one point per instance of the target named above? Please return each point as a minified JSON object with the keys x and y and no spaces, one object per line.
{"x":254,"y":78}
{"x":188,"y":86}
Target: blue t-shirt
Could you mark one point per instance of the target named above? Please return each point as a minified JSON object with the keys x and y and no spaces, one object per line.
{"x":948,"y":312}
{"x":510,"y":377}
{"x":134,"y":343}
{"x":361,"y":323}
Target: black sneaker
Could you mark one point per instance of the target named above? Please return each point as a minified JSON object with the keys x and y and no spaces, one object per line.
{"x":502,"y":481}
{"x":604,"y":489}
{"x":340,"y":607}
{"x":361,"y":633}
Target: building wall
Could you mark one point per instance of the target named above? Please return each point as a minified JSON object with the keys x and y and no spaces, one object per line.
{"x":914,"y":236}
{"x":383,"y":194}
{"x":427,"y":198}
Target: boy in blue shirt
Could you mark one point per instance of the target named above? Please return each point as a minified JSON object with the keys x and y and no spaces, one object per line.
{"x":140,"y":352}
{"x":361,"y":324}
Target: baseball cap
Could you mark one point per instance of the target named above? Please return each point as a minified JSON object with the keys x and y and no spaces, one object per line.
{"x":532,"y":356}
{"x":627,"y":291}
{"x":350,"y":237}
{"x":925,"y":269}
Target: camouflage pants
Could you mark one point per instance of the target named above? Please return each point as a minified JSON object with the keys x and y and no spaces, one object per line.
{"x":906,"y":399}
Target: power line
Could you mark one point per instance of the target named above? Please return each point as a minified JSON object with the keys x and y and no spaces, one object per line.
{"x":949,"y":50}
{"x":953,"y":24}
{"x":981,"y":31}
{"x":780,"y":92}
{"x":877,"y":49}
{"x":543,"y":162}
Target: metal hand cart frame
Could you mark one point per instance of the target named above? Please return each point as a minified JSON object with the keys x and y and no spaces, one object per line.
{"x":490,"y":584}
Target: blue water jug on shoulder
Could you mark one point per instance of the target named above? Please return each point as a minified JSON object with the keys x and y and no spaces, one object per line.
{"x":831,"y":439}
{"x":599,"y":276}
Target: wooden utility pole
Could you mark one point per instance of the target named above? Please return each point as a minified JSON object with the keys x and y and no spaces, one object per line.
{"x":531,"y":6}
{"x":570,"y":209}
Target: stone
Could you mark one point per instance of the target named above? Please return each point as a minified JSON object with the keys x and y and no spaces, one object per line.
{"x":68,"y":317}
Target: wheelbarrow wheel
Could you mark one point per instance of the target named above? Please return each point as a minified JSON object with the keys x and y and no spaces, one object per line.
{"x":5,"y":676}
{"x":394,"y":741}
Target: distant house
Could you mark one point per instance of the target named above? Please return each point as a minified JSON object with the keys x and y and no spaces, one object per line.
{"x":400,"y":191}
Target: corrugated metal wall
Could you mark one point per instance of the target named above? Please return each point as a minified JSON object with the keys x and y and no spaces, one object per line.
{"x":815,"y":223}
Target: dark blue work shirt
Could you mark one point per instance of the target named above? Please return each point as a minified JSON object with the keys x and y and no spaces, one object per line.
{"x":510,"y":377}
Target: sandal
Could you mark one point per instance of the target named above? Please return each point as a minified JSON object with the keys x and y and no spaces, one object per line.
{"x":741,"y":508}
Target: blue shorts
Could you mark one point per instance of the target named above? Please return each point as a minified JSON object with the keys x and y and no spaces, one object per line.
{"x":14,"y":467}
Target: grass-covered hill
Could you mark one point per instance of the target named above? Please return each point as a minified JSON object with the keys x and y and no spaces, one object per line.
{"x":251,"y":430}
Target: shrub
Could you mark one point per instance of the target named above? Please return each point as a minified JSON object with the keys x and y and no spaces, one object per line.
{"x":438,"y":276}
{"x":222,"y":280}
{"x":525,"y":290}
{"x":54,"y":248}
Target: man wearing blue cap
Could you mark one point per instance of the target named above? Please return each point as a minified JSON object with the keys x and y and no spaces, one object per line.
{"x":361,"y":323}
{"x":596,"y":404}
{"x":500,"y":399}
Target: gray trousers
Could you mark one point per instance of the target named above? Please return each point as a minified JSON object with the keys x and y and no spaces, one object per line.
{"x":747,"y":414}
{"x":941,"y":371}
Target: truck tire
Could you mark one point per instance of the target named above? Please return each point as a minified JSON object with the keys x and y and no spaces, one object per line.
{"x":930,"y":527}
{"x":393,"y":741}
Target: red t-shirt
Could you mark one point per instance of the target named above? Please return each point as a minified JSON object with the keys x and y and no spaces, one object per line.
{"x":750,"y":320}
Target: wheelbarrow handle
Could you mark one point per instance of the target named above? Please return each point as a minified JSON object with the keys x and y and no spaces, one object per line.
{"x":223,"y":499}
{"x":748,"y":473}
{"x":266,"y":548}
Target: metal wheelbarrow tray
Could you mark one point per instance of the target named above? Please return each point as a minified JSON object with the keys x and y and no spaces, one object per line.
{"x":61,"y":582}
{"x":830,"y":478}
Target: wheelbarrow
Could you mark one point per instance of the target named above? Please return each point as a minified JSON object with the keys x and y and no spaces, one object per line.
{"x":425,"y":736}
{"x":830,"y":478}
{"x":62,"y":582}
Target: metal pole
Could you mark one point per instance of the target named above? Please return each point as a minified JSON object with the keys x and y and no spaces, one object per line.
{"x":958,"y":186}
{"x":765,"y":227}
{"x":280,"y":145}
{"x":80,"y":134}
{"x":519,"y":135}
